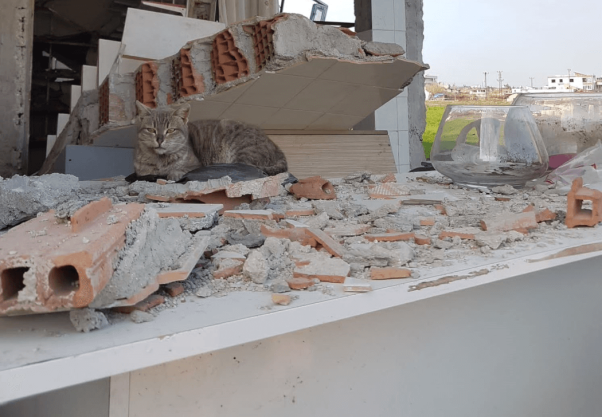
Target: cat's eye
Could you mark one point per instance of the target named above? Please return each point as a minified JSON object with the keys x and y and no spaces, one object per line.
{"x":151,"y":130}
{"x":171,"y":131}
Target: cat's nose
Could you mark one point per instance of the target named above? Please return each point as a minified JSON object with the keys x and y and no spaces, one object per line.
{"x":160,"y":140}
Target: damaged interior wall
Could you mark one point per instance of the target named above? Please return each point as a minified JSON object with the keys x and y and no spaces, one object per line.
{"x":398,"y":21}
{"x":16,"y":40}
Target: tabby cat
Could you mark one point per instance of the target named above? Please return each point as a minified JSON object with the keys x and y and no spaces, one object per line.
{"x":169,"y":146}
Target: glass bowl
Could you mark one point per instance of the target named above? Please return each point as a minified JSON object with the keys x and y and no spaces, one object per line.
{"x":489,"y":146}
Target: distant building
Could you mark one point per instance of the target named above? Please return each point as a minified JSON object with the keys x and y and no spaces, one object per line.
{"x":430,"y":79}
{"x":576,"y":81}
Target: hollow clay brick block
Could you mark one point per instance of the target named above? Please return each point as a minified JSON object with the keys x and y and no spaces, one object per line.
{"x":452,"y":234}
{"x":427,"y":222}
{"x":510,"y":221}
{"x":174,"y":289}
{"x":152,"y":301}
{"x":333,"y":247}
{"x":355,"y":230}
{"x":388,"y":190}
{"x":299,"y":283}
{"x":314,"y":188}
{"x":227,"y":61}
{"x":263,"y":40}
{"x":300,"y":213}
{"x":325,"y":269}
{"x":147,"y":84}
{"x":45,"y":266}
{"x":297,"y":234}
{"x":389,"y":237}
{"x":422,"y":240}
{"x":575,"y":214}
{"x":189,"y":82}
{"x":389,"y":273}
{"x":250,"y":214}
{"x":281,"y":299}
{"x":103,"y":103}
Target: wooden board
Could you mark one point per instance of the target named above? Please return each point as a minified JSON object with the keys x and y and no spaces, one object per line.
{"x":335,"y":156}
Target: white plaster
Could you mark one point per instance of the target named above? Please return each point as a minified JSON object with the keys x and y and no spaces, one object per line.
{"x":89,"y":78}
{"x":403,"y":168}
{"x":143,"y":39}
{"x":383,"y":36}
{"x":404,"y":147}
{"x":107,"y":54}
{"x":119,"y":396}
{"x":399,"y":7}
{"x":383,"y":16}
{"x":394,"y":139}
{"x":76,"y":92}
{"x":50,"y":140}
{"x":385,"y":117}
{"x":400,"y":38}
{"x":402,"y":113}
{"x":61,"y":122}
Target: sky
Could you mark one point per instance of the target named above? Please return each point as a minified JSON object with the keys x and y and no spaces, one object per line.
{"x":521,"y":38}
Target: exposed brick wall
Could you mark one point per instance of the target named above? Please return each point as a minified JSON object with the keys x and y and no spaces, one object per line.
{"x":228,"y":62}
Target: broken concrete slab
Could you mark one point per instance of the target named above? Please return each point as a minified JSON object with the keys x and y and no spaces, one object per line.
{"x":324,"y":268}
{"x":504,"y":222}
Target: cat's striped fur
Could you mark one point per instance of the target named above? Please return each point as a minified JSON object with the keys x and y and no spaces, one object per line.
{"x":169,"y":146}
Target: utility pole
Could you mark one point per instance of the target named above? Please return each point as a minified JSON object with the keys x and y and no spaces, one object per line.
{"x":499,"y":79}
{"x":485,"y":84}
{"x":531,"y":78}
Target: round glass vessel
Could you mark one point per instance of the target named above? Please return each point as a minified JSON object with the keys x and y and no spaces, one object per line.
{"x":489,"y":146}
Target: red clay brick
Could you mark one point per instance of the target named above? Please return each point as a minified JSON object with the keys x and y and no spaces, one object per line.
{"x":161,"y":181}
{"x":389,"y":178}
{"x":189,"y":82}
{"x":575,"y":214}
{"x":314,"y":188}
{"x":389,"y":237}
{"x":389,"y":273}
{"x":174,"y":289}
{"x":151,"y":302}
{"x":510,"y":221}
{"x":430,"y":221}
{"x":234,"y":268}
{"x":299,"y":283}
{"x":452,"y":234}
{"x":545,"y":215}
{"x":441,"y":208}
{"x":227,"y":61}
{"x":333,"y":247}
{"x":300,"y":213}
{"x":55,"y":267}
{"x":422,"y":240}
{"x":325,"y":269}
{"x":147,"y":84}
{"x":502,"y":199}
{"x":297,"y":234}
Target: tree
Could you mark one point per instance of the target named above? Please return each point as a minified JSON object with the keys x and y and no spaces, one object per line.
{"x":435,"y":89}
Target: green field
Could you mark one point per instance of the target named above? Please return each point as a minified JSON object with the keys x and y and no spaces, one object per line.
{"x":434,"y":113}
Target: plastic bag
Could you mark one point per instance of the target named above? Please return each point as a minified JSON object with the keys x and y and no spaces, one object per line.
{"x":585,"y":164}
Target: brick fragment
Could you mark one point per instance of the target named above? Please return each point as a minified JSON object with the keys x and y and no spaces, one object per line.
{"x":300,"y":212}
{"x":281,"y":299}
{"x":545,"y":215}
{"x":174,"y":289}
{"x":452,"y":234}
{"x":151,"y":302}
{"x":314,"y":188}
{"x":88,"y":213}
{"x":441,"y":208}
{"x":430,"y":221}
{"x":227,"y":61}
{"x":161,"y":181}
{"x":575,"y":214}
{"x":228,"y":268}
{"x":390,"y":177}
{"x":293,"y":234}
{"x":509,"y":221}
{"x":389,"y":273}
{"x":388,"y":190}
{"x":389,"y":237}
{"x":325,"y":269}
{"x":295,"y":224}
{"x":333,"y":247}
{"x":502,"y":199}
{"x":422,"y":240}
{"x":352,"y":230}
{"x":299,"y":283}
{"x":250,"y":214}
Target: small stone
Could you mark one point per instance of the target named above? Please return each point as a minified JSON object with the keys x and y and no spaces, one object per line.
{"x":281,"y":299}
{"x":88,"y":319}
{"x":205,"y":291}
{"x":112,"y":219}
{"x":12,"y":252}
{"x":506,"y":189}
{"x":256,"y":267}
{"x":442,"y":244}
{"x":280,"y":286}
{"x":86,"y":240}
{"x":141,"y":317}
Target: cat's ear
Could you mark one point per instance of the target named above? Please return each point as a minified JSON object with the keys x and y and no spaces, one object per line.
{"x":182,"y":112}
{"x":142,"y":109}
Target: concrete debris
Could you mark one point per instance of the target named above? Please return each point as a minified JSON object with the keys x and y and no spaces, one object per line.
{"x":356,"y":285}
{"x":256,"y":267}
{"x":324,"y":268}
{"x":281,"y":299}
{"x":141,"y":317}
{"x":87,"y":319}
{"x":381,"y":49}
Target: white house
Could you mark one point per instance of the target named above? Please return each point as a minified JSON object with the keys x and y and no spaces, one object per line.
{"x":576,"y":81}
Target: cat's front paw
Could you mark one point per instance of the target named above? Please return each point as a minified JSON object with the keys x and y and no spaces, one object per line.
{"x":176,"y":175}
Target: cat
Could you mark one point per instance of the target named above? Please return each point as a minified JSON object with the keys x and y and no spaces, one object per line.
{"x":169,"y":146}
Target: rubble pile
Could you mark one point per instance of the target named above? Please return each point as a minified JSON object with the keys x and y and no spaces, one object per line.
{"x":313,"y":235}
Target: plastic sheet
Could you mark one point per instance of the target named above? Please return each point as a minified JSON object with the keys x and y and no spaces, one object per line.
{"x":586,"y":164}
